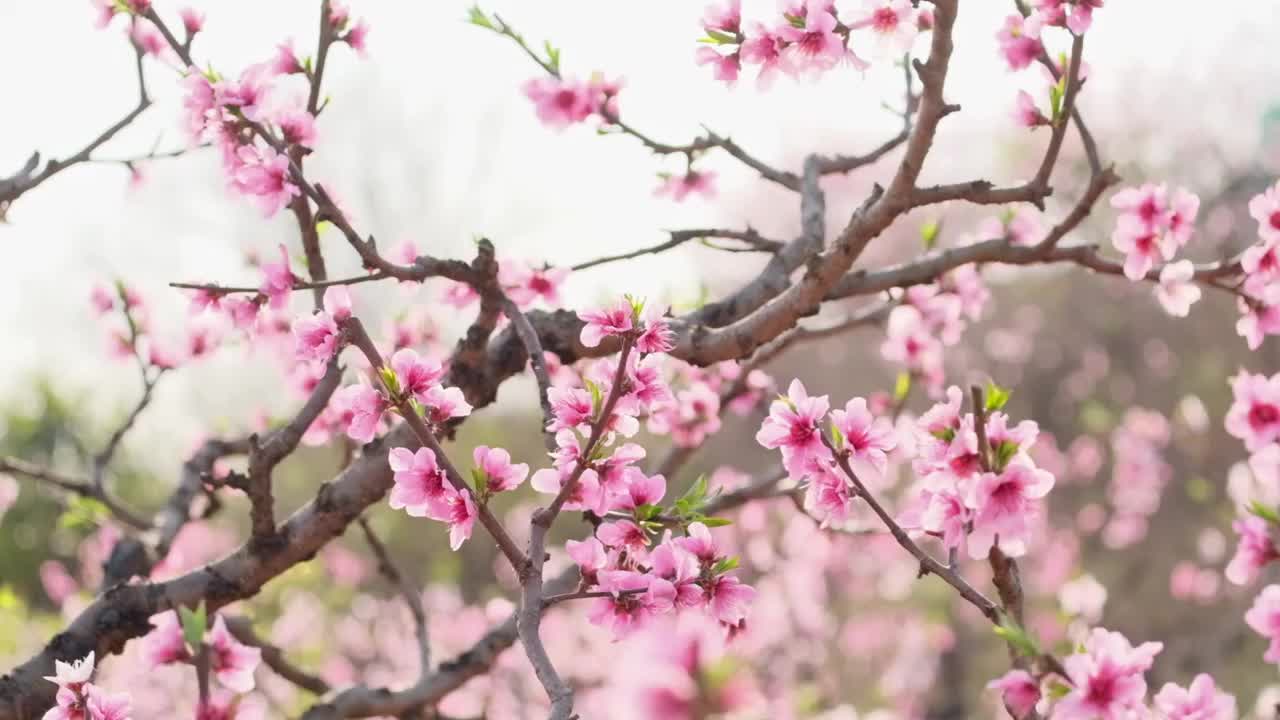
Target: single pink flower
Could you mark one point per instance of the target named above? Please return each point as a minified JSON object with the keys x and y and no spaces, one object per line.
{"x":560,"y":103}
{"x":892,"y":24}
{"x":679,"y":187}
{"x":1019,"y":690}
{"x":727,"y":598}
{"x":637,"y":598}
{"x":1019,"y":41}
{"x":165,"y":643}
{"x":867,"y":438}
{"x":419,"y":481}
{"x":1265,"y":208}
{"x":764,"y":47}
{"x":1025,"y":112}
{"x":1003,"y":504}
{"x":286,"y":60}
{"x":192,"y":20}
{"x":570,"y":408}
{"x":1202,"y":700}
{"x":231,"y":662}
{"x":1264,"y":618}
{"x":277,"y":280}
{"x":298,"y":127}
{"x":725,"y":17}
{"x":1255,"y":549}
{"x":358,"y":37}
{"x":72,"y":675}
{"x":794,"y":426}
{"x":816,"y":46}
{"x":444,"y":404}
{"x":416,"y":375}
{"x":1254,"y":416}
{"x":678,"y":567}
{"x":105,"y":706}
{"x":365,"y":405}
{"x":1142,"y":246}
{"x":616,"y":319}
{"x":500,"y":473}
{"x":102,"y":299}
{"x":587,"y":494}
{"x":525,"y":284}
{"x":1177,"y":290}
{"x":726,"y":67}
{"x":264,"y":174}
{"x":590,"y":557}
{"x":457,"y":509}
{"x":657,"y":336}
{"x":624,"y":534}
{"x":1107,"y":678}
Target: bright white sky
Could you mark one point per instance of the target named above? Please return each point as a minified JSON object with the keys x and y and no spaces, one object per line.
{"x":431,"y":139}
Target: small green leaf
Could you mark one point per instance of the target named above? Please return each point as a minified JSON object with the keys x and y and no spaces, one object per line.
{"x":1264,"y":512}
{"x":553,"y":56}
{"x":194,"y":624}
{"x":389,"y":379}
{"x":837,"y":437}
{"x":10,"y":601}
{"x":646,"y":512}
{"x":597,"y":397}
{"x":929,"y":233}
{"x":719,"y":38}
{"x":82,"y":513}
{"x":902,"y":386}
{"x":697,"y":492}
{"x":997,"y":397}
{"x":795,"y":20}
{"x":715,"y":522}
{"x":1004,"y":453}
{"x":479,"y":479}
{"x":476,"y":17}
{"x":1017,"y":637}
{"x":1057,"y":690}
{"x":725,"y":564}
{"x":945,"y":434}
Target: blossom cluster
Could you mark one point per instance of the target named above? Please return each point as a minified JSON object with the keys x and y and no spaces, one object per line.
{"x":1107,"y":680}
{"x":79,"y":699}
{"x":131,"y":335}
{"x":809,"y":38}
{"x":1020,"y":43}
{"x":930,"y":318}
{"x":1259,"y":300}
{"x":255,"y":123}
{"x":971,"y":495}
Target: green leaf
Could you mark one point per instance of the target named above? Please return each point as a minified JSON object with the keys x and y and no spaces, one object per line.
{"x":795,"y":20}
{"x":1264,"y":512}
{"x":997,"y":397}
{"x":10,"y":601}
{"x":720,"y":38}
{"x":945,"y":434}
{"x":646,"y":512}
{"x":1017,"y":637}
{"x":83,"y":513}
{"x":389,"y":379}
{"x":194,"y":624}
{"x":929,"y":233}
{"x":479,"y":479}
{"x":837,"y":437}
{"x":697,"y":492}
{"x":1057,"y":690}
{"x":1056,"y":94}
{"x":476,"y":17}
{"x":902,"y":386}
{"x":715,"y":522}
{"x":597,"y":397}
{"x":553,"y":56}
{"x":725,"y":564}
{"x":1004,"y":453}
